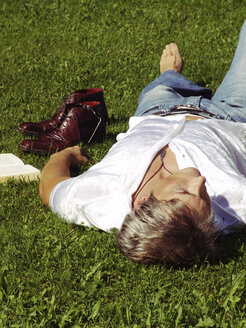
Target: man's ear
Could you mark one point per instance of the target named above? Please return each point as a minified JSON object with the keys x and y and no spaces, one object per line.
{"x":142,"y":199}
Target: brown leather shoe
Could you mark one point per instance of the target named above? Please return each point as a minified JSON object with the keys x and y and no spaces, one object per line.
{"x":77,"y":97}
{"x":83,"y":123}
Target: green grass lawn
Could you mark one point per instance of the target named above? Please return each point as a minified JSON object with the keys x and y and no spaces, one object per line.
{"x":57,"y":275}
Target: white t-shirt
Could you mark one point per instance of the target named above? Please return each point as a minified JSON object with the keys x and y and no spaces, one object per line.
{"x":102,"y":196}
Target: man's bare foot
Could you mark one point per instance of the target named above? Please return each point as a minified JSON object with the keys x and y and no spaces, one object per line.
{"x":171,"y":59}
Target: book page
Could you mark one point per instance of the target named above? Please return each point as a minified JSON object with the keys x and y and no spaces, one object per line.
{"x":12,"y":166}
{"x":10,"y":159}
{"x":24,"y":172}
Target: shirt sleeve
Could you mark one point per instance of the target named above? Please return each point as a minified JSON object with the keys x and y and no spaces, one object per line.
{"x":91,"y":200}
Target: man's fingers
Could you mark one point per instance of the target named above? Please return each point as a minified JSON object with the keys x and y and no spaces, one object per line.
{"x":84,"y":153}
{"x":79,"y":156}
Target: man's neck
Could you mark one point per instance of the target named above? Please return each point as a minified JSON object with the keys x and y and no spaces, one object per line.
{"x":171,"y":165}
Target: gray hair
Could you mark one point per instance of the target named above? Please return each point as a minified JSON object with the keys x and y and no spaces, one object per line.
{"x":169,"y":230}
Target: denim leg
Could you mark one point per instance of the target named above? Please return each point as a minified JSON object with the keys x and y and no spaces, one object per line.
{"x":169,"y":89}
{"x":231,"y":94}
{"x":179,"y":83}
{"x":156,"y":97}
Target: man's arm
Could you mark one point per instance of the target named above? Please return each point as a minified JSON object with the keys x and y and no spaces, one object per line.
{"x":57,"y":169}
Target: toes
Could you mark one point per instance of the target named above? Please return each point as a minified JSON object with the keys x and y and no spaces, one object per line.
{"x":174,"y":48}
{"x":173,"y":45}
{"x":164,"y":53}
{"x":171,"y":58}
{"x":168,"y":49}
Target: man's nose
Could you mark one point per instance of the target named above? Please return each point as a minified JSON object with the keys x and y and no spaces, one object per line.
{"x":196,"y":184}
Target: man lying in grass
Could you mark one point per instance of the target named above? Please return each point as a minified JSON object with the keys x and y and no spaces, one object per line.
{"x":151,"y":185}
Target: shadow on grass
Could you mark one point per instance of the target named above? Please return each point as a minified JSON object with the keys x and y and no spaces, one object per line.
{"x":231,"y":247}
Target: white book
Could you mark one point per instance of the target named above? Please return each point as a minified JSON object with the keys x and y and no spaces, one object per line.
{"x":12,"y":166}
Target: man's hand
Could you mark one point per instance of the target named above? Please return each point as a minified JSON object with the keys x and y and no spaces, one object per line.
{"x":57,"y":169}
{"x":73,"y":155}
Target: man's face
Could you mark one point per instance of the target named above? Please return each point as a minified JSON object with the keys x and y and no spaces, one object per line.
{"x":187,"y":185}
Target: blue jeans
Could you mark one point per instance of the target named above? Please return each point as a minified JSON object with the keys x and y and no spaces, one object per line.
{"x":172,"y":88}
